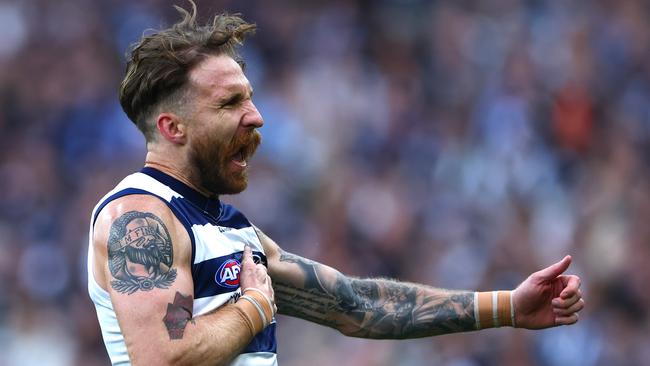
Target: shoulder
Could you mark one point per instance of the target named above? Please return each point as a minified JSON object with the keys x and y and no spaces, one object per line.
{"x":129,"y":204}
{"x":123,"y":217}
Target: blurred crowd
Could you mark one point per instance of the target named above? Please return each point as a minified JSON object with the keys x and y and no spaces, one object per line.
{"x":462,"y":144}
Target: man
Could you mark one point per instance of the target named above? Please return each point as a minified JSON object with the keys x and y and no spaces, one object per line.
{"x":178,"y":277}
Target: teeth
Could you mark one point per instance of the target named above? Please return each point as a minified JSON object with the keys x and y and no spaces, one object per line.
{"x":239,"y":159}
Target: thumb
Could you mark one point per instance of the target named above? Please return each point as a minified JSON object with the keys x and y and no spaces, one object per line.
{"x":554,"y":270}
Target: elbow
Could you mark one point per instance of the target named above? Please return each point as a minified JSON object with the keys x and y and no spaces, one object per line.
{"x":352,"y":329}
{"x":174,"y":356}
{"x":349,"y":330}
{"x":159,"y":356}
{"x":357,"y":332}
{"x":178,"y":358}
{"x":189,"y":358}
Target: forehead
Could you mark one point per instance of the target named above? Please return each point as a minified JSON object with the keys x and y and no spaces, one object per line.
{"x":217,"y":76}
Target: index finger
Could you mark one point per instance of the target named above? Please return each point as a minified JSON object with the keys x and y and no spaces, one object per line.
{"x":248,"y":254}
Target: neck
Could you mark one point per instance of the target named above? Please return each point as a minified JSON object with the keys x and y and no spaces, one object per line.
{"x":175,"y":170}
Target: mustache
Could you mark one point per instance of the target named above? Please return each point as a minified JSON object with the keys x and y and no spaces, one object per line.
{"x":247,"y":144}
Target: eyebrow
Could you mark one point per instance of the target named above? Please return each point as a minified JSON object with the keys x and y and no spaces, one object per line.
{"x":235,"y":92}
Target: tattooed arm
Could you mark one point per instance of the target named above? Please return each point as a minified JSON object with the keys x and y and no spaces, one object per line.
{"x":378,"y":308}
{"x":368,"y":308}
{"x":142,"y":256}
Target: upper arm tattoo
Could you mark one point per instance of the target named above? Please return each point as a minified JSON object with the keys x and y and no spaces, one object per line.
{"x":178,"y":314}
{"x":140,"y":253}
{"x":372,"y":308}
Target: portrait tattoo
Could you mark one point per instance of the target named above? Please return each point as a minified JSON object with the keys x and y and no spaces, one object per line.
{"x":179,"y":313}
{"x":140,"y":253}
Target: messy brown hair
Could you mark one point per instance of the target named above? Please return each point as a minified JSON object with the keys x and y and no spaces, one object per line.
{"x":158,"y":65}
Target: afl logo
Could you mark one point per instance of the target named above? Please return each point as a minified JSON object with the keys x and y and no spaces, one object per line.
{"x":228,"y":274}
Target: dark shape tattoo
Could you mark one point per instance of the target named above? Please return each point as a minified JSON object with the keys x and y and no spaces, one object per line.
{"x":179,"y":313}
{"x":140,"y":253}
{"x":372,"y":308}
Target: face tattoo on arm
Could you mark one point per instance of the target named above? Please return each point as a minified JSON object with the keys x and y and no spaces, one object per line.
{"x":140,"y":253}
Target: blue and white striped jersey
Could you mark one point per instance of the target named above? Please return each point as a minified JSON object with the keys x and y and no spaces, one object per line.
{"x":218,"y":233}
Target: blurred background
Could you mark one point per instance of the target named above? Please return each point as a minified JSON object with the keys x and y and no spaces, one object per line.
{"x":462,"y":144}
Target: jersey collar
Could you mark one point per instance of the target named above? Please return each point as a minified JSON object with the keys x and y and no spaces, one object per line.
{"x":210,"y":205}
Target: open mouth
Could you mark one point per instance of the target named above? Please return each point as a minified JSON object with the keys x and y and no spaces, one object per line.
{"x":244,"y":148}
{"x":239,"y":159}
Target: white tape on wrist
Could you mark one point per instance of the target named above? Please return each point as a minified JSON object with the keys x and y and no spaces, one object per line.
{"x":257,"y":305}
{"x":495,"y":309}
{"x":512,"y":309}
{"x":268,"y":300}
{"x":477,"y":316}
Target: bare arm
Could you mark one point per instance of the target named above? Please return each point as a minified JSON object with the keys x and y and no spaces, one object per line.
{"x":368,"y":308}
{"x":142,"y":258}
{"x":371,"y":308}
{"x":379,"y":308}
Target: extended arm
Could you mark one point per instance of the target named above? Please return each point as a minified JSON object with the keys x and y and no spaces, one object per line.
{"x":369,"y":308}
{"x":379,"y":308}
{"x":142,"y":258}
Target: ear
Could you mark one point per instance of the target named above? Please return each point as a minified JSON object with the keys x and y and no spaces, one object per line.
{"x":172,"y":128}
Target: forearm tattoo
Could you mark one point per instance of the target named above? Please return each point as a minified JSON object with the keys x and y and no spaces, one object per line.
{"x":373,"y":308}
{"x":140,"y":253}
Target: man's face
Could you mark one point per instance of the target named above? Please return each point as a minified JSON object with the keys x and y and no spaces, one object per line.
{"x":223,"y":129}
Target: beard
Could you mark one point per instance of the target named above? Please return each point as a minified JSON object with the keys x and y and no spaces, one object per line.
{"x":213,"y":159}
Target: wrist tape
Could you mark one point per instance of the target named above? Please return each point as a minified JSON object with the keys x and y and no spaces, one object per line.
{"x":494,"y":309}
{"x":269,"y":311}
{"x":257,"y":310}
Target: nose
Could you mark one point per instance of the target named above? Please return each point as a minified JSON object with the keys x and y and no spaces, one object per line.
{"x":252,"y":117}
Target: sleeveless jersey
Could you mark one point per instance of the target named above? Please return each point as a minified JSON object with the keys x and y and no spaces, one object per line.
{"x":218,"y":233}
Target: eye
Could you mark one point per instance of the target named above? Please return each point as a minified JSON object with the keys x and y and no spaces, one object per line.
{"x":233,"y":101}
{"x":230,"y":102}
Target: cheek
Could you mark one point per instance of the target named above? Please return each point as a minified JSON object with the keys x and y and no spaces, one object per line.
{"x":208,"y":137}
{"x":222,"y":130}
